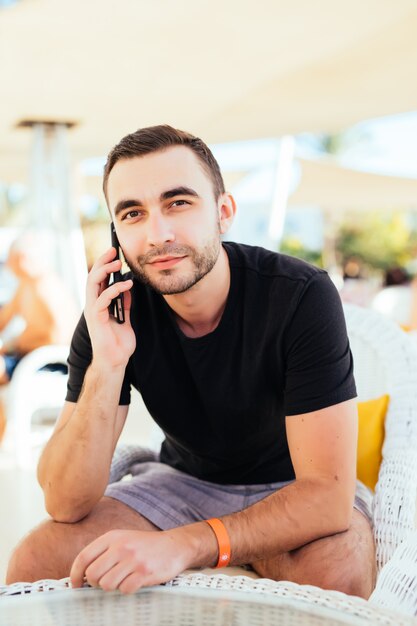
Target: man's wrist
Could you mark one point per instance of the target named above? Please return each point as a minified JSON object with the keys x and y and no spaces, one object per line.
{"x":100,"y":368}
{"x":199,"y":543}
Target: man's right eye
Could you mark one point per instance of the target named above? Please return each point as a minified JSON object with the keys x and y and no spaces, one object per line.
{"x":131,"y":215}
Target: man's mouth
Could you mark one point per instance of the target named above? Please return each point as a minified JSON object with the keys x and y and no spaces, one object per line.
{"x":165,"y":262}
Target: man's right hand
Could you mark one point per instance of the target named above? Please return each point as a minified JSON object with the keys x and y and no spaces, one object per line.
{"x":112,"y":343}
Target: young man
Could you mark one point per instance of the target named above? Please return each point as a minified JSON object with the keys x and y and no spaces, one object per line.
{"x":242,"y":358}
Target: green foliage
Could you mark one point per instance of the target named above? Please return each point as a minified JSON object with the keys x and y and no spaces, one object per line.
{"x":293,"y":247}
{"x":378,"y":241}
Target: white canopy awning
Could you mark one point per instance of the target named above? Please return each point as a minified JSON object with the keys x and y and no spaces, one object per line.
{"x":223,"y":70}
{"x":329,"y":186}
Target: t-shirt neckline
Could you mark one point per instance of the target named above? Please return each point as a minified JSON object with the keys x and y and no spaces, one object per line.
{"x":226,"y":315}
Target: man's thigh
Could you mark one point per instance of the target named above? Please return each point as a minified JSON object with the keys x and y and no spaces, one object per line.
{"x":343,"y":562}
{"x":50,"y":549}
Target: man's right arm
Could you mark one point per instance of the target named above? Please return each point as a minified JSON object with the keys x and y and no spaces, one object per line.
{"x":74,"y":468}
{"x":75,"y":464}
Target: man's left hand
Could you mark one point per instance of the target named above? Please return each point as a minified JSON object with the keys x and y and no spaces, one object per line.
{"x":130,"y":559}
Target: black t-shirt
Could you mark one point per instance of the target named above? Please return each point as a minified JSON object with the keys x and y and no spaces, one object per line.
{"x":280,"y":349}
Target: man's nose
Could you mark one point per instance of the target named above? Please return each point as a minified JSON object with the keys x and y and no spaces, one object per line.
{"x":159,"y":230}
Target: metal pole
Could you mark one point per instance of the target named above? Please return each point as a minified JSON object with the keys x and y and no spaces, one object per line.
{"x":52,"y":210}
{"x":286,"y":151}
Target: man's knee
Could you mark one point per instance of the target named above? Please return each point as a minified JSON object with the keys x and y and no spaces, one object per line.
{"x":344,"y":562}
{"x":50,"y":549}
{"x":356,"y":572}
{"x":351,"y":571}
{"x":44,"y":553}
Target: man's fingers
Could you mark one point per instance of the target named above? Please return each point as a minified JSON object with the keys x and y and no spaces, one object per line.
{"x":101,"y":567}
{"x":85,"y":558}
{"x":105,"y":298}
{"x":102,"y":286}
{"x":100,"y":275}
{"x":101,"y":272}
{"x":108,"y":256}
{"x":131,"y":583}
{"x":113,"y":578}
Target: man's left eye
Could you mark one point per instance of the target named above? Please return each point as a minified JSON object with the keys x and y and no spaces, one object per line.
{"x":179,"y":203}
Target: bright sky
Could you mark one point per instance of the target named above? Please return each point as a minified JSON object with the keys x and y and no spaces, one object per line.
{"x":389,"y":146}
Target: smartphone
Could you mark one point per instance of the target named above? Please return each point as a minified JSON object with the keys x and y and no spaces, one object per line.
{"x":117,"y":304}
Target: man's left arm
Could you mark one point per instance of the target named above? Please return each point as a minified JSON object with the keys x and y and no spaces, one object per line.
{"x":317,"y":504}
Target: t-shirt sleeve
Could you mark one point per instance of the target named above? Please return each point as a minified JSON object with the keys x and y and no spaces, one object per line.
{"x":79,"y":360}
{"x":319,"y":363}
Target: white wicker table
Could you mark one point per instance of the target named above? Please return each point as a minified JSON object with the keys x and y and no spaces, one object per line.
{"x":165,"y":607}
{"x":192,"y":600}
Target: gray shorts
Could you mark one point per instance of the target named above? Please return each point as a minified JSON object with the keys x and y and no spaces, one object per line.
{"x":169,"y":498}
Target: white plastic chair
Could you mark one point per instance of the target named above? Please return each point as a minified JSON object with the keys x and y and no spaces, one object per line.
{"x":33,"y":391}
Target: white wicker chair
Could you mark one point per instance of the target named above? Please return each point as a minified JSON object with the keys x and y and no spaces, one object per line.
{"x":385,"y":362}
{"x":33,"y":390}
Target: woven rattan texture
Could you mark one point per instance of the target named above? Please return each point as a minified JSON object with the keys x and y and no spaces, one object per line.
{"x":311,"y":596}
{"x":397,"y":583}
{"x":377,"y":342}
{"x":173,"y":607}
{"x":194,"y":600}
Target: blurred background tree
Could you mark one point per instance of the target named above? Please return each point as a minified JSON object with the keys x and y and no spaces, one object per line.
{"x":294,"y":247}
{"x":377,"y":241}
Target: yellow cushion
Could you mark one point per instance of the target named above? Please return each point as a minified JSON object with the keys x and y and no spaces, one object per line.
{"x":371,"y":437}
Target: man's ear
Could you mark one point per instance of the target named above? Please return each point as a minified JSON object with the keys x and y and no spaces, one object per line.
{"x":227,"y":211}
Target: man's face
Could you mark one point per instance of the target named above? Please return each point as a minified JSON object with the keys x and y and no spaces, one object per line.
{"x":166,"y":218}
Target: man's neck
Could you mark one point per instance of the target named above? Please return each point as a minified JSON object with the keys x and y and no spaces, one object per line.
{"x":198,"y":311}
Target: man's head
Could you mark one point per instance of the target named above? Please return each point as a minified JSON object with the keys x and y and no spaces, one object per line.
{"x":167,"y":200}
{"x":156,"y":138}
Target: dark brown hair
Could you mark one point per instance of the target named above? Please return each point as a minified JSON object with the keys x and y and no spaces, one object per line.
{"x":155,"y":138}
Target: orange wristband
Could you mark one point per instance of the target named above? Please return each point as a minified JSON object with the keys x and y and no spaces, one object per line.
{"x":223,"y":541}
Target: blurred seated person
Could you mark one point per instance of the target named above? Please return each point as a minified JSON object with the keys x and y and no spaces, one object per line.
{"x":397,"y":298}
{"x":41,"y":301}
{"x":357,"y":288}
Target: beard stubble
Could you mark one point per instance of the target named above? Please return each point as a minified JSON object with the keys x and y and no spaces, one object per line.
{"x":173,"y":281}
